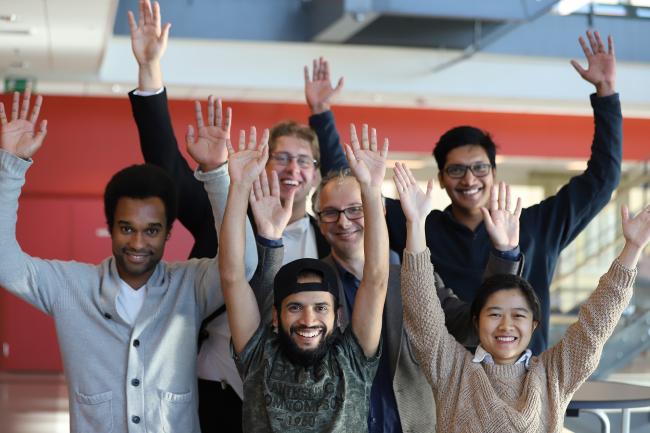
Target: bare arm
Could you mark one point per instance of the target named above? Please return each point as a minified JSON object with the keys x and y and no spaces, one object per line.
{"x":244,"y":167}
{"x":369,"y":167}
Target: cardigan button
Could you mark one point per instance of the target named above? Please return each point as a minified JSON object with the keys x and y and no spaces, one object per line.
{"x":135,"y":382}
{"x":107,"y":316}
{"x":136,"y":342}
{"x":135,"y":419}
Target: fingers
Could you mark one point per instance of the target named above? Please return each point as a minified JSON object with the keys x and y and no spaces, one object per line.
{"x":147,"y":14}
{"x":26,"y":96}
{"x":592,"y":42}
{"x":14,"y":106}
{"x":349,"y":154}
{"x":518,"y":208}
{"x":242,"y":140}
{"x":40,"y":136}
{"x":306,"y":73}
{"x":142,"y":8}
{"x":38,"y":103}
{"x":429,"y":187}
{"x":252,"y":138}
{"x":156,"y":16}
{"x":324,"y":70}
{"x":132,"y":24}
{"x":264,"y":147}
{"x":502,"y":196}
{"x":578,"y":68}
{"x":364,"y":136}
{"x":189,"y":137}
{"x":585,"y":47}
{"x":610,"y":46}
{"x":164,"y":34}
{"x":384,"y":149}
{"x":3,"y":115}
{"x":264,"y":184}
{"x":373,"y":139}
{"x":211,"y":111}
{"x":256,"y":191}
{"x":229,"y":147}
{"x":625,"y":213}
{"x":198,"y":114}
{"x":487,"y":219}
{"x":493,"y":202}
{"x":228,"y":122}
{"x":339,"y":85}
{"x":354,"y":141}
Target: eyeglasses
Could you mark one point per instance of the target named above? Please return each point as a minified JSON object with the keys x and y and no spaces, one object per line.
{"x":478,"y":169}
{"x":333,"y":215}
{"x":303,"y":161}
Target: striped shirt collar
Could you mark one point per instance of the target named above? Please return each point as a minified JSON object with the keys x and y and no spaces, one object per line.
{"x":481,"y":355}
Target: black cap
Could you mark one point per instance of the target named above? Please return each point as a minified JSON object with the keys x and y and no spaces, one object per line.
{"x":286,"y":280}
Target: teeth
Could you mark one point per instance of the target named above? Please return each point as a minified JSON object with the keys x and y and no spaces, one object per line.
{"x":506,"y":339}
{"x":470,"y":191}
{"x":290,"y":182}
{"x":308,"y":333}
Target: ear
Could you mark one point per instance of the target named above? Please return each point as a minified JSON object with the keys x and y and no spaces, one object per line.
{"x":475,"y":323}
{"x":535,"y":323}
{"x":168,"y":235}
{"x":274,"y":319}
{"x":339,"y":315}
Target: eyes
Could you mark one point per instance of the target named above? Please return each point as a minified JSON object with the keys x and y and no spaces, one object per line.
{"x":514,"y":315}
{"x":297,"y":308}
{"x":149,"y":231}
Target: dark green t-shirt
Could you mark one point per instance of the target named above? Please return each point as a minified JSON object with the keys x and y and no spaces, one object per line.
{"x":282,"y":397}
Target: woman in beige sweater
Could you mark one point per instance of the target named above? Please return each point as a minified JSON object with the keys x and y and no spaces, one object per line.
{"x":502,"y":389}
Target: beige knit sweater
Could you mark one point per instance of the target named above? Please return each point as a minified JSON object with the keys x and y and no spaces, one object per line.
{"x":475,"y":397}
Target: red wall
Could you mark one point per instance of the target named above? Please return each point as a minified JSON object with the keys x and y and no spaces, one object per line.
{"x":91,"y":138}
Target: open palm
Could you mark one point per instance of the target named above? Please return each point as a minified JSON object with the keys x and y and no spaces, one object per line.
{"x":148,"y":37}
{"x":209,"y":148}
{"x":246,"y":164}
{"x":318,"y":89}
{"x":502,"y":223}
{"x":636,"y":230}
{"x":271,"y":216}
{"x":416,"y":204}
{"x":367,"y":163}
{"x":601,"y":63}
{"x":18,"y":135}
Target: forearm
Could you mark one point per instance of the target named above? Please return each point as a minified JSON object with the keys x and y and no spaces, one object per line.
{"x":243,"y":313}
{"x":150,"y":77}
{"x":371,"y":296}
{"x":332,"y":157}
{"x":216,"y":184}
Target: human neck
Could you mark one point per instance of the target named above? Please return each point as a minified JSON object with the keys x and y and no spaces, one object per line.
{"x":298,"y":211}
{"x":352,"y":263}
{"x":470,"y":219}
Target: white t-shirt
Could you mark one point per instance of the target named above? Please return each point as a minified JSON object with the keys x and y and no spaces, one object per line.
{"x":129,"y":302}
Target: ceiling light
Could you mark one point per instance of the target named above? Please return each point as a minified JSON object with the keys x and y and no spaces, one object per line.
{"x":567,"y":7}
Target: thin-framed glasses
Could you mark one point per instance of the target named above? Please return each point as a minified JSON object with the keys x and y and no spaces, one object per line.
{"x":303,"y":161}
{"x":333,"y":215}
{"x":478,"y":169}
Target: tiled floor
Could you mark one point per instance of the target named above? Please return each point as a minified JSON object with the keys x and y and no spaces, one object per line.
{"x":33,"y":403}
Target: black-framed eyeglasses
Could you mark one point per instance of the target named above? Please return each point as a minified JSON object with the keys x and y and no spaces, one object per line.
{"x":303,"y":161}
{"x":478,"y":169}
{"x":333,"y":215}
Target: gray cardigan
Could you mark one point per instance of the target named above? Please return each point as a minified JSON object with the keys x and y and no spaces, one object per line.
{"x":120,"y":378}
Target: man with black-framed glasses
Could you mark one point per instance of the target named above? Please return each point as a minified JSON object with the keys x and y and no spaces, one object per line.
{"x":457,"y":236}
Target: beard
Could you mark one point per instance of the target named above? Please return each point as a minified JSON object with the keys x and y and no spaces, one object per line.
{"x":304,"y":357}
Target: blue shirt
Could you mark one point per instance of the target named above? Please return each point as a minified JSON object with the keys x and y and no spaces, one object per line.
{"x":383,"y":416}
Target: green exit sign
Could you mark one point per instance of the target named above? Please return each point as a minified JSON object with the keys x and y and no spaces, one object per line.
{"x":16,"y":84}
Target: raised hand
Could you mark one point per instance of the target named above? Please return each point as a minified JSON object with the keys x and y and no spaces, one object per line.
{"x":209,"y":150}
{"x":271,"y":217}
{"x":246,"y":164}
{"x":18,"y":135}
{"x":636,"y":230}
{"x":416,"y":203}
{"x":501,"y":223}
{"x":601,"y":63}
{"x":367,"y":163}
{"x":319,"y":90}
{"x":148,"y":37}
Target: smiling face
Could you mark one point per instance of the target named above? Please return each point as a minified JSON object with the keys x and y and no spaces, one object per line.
{"x":505,"y":325}
{"x":305,"y":323}
{"x":468,"y":193}
{"x":345,"y":236}
{"x":138,"y":238}
{"x":291,"y":175}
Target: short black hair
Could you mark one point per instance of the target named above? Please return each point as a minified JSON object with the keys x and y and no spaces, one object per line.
{"x":463,"y":136}
{"x":500,"y":282}
{"x":140,"y":182}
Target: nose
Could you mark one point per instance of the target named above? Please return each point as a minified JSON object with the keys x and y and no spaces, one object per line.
{"x":308,"y":317}
{"x":136,"y":241}
{"x":343,"y":220}
{"x":506,"y":322}
{"x":468,"y":177}
{"x":293,"y":166}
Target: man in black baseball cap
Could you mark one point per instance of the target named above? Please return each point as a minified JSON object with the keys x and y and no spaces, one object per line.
{"x":301,"y":373}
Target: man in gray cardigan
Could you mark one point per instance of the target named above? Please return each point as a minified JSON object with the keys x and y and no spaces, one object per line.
{"x":400,"y":397}
{"x":126,"y":327}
